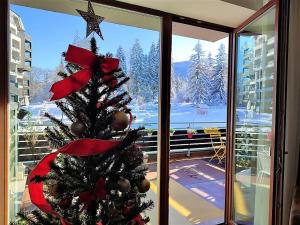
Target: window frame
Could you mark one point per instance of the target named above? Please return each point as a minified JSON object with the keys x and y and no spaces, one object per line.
{"x":164,"y":101}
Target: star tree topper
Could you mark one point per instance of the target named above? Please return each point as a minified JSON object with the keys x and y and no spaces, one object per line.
{"x":93,"y":21}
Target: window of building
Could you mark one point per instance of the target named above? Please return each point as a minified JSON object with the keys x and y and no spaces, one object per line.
{"x":16,"y":44}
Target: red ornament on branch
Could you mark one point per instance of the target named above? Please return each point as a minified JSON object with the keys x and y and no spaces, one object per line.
{"x":99,"y":192}
{"x":86,"y":60}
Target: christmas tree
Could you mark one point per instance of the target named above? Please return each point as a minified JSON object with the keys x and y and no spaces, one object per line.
{"x":96,"y":175}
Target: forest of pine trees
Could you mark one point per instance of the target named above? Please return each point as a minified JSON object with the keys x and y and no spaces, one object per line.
{"x":205,"y":82}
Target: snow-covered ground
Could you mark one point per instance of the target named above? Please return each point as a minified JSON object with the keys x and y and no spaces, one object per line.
{"x":183,"y":115}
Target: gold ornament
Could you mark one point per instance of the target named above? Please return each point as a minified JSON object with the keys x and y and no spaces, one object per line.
{"x":53,"y":190}
{"x":77,"y":128}
{"x":124,"y":185}
{"x":120,"y":121}
{"x":144,"y":186}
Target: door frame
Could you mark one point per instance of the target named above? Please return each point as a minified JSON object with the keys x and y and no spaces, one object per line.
{"x":279,"y":103}
{"x":167,"y":19}
{"x":4,"y":60}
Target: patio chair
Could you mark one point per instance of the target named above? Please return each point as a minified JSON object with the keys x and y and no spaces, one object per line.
{"x":217,"y":142}
{"x":263,"y":164}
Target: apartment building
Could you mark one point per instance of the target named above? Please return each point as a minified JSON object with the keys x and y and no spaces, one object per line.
{"x":246,"y":96}
{"x":19,"y":66}
{"x":257,"y":74}
{"x":20,"y":62}
{"x":264,"y":72}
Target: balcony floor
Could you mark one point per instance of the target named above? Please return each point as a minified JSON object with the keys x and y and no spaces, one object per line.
{"x":197,"y":192}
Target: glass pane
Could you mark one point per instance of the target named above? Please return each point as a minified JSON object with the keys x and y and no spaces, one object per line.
{"x":39,"y":34}
{"x":253,"y":120}
{"x":198,"y":125}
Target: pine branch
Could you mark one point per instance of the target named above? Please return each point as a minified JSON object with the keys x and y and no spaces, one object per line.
{"x":68,"y":112}
{"x":62,"y":75}
{"x":63,"y":127}
{"x":55,"y":138}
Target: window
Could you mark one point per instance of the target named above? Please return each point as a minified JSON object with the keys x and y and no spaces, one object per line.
{"x":15,"y":44}
{"x":15,"y":56}
{"x":139,"y":54}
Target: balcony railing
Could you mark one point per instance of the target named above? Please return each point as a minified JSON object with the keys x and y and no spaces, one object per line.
{"x":180,"y":143}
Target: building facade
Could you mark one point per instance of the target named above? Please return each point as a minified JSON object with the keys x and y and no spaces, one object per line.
{"x":20,"y":65}
{"x":257,"y":74}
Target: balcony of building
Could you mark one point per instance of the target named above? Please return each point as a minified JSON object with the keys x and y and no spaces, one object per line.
{"x":27,"y":45}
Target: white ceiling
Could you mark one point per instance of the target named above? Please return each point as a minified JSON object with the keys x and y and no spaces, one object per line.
{"x":214,"y":11}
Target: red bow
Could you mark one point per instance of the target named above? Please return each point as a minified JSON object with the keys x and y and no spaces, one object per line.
{"x":82,"y":147}
{"x":99,"y":192}
{"x":86,"y":60}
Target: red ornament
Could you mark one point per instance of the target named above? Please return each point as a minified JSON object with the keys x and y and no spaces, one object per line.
{"x":138,"y":220}
{"x":86,"y":60}
{"x":65,"y":203}
{"x":99,"y":192}
{"x":112,"y":80}
{"x":99,"y":105}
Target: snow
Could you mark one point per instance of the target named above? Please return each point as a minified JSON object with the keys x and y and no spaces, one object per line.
{"x":183,"y":115}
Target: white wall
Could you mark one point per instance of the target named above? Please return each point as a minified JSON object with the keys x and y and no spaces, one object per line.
{"x":293,"y":110}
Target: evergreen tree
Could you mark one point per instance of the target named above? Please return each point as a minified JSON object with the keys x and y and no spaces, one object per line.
{"x":122,"y":57}
{"x":153,"y":71}
{"x":102,"y":179}
{"x":210,"y":64}
{"x":136,"y":69}
{"x":145,"y":85}
{"x":81,"y":42}
{"x":218,"y":92}
{"x":199,"y":84}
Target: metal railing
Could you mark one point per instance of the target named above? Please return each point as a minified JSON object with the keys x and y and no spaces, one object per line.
{"x":179,"y":142}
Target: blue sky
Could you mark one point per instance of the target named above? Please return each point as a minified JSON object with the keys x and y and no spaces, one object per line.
{"x":52,"y":32}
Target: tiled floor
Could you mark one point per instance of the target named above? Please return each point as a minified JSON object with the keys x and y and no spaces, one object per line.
{"x":197,"y":186}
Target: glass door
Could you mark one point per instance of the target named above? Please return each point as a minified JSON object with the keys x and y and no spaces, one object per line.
{"x":199,"y":78}
{"x":254,"y":113}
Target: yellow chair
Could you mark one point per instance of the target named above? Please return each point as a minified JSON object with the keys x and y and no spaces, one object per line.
{"x":219,"y":146}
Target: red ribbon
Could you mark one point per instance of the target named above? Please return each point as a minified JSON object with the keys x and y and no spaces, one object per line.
{"x":82,"y":147}
{"x":86,"y":60}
